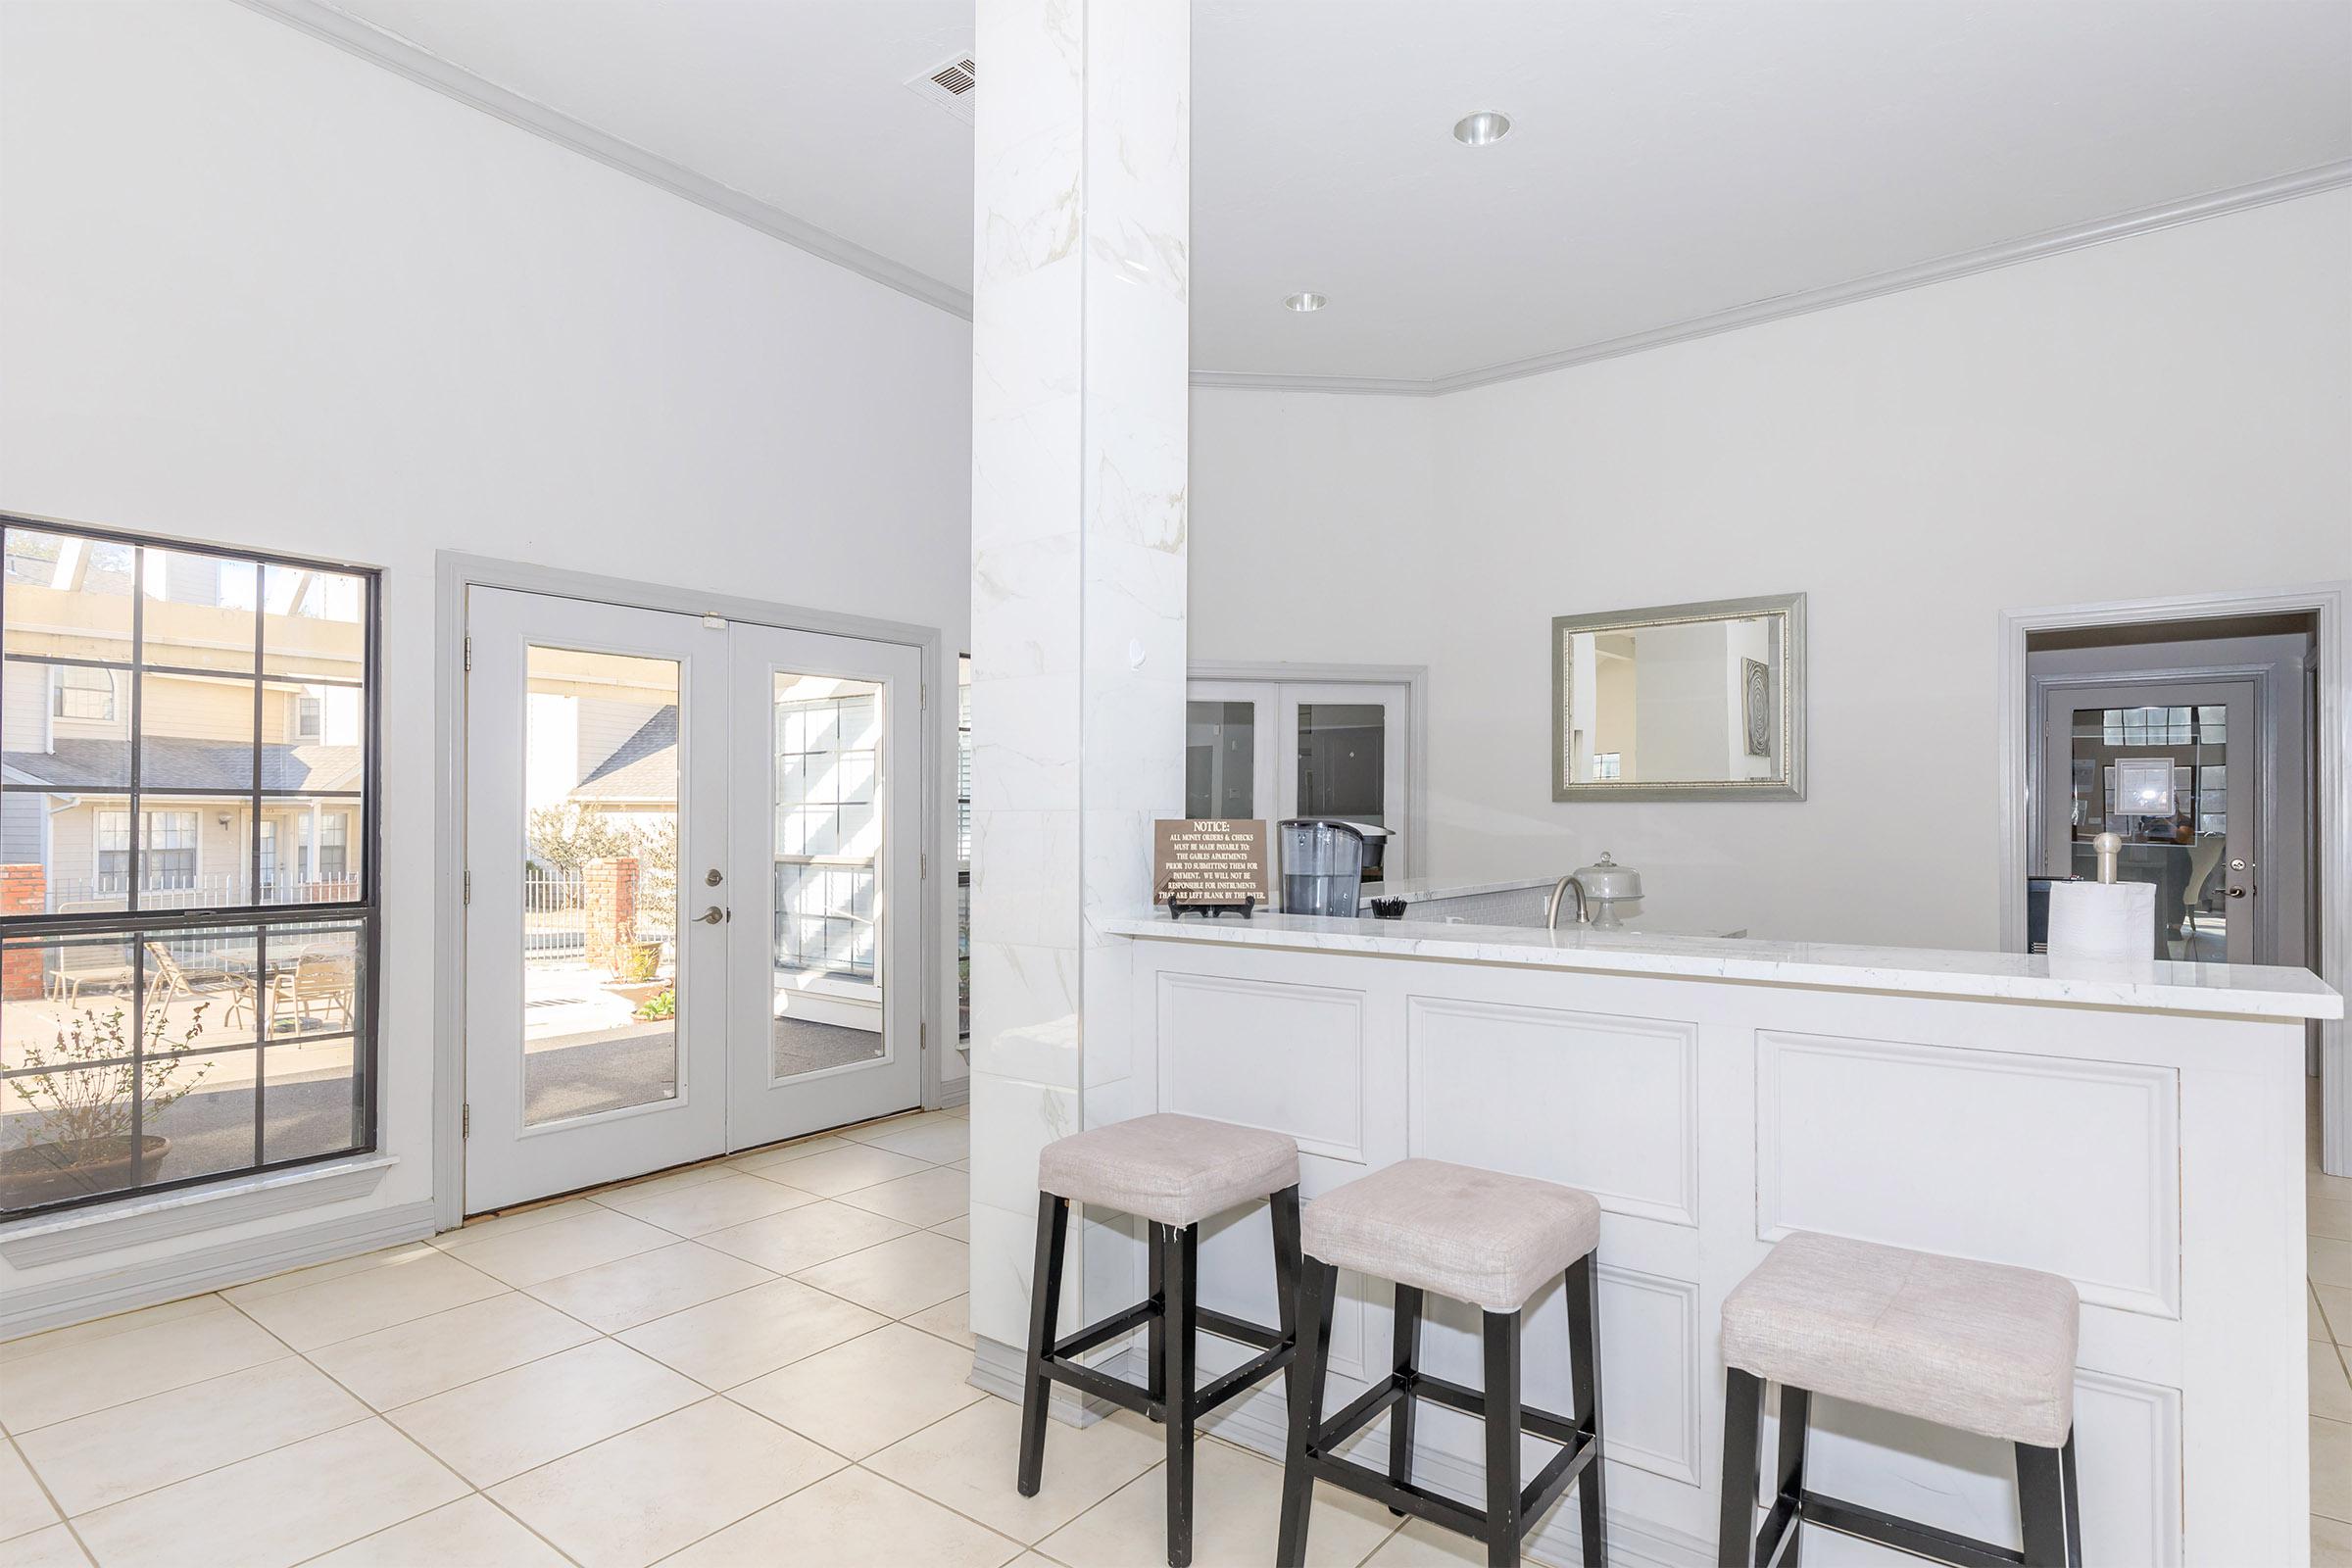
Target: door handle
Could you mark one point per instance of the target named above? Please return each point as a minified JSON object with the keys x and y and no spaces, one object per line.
{"x":2236,"y":893}
{"x":714,"y":915}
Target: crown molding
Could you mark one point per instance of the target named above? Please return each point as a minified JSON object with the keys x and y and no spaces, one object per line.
{"x":426,"y":68}
{"x":1394,"y":387}
{"x":2033,"y":247}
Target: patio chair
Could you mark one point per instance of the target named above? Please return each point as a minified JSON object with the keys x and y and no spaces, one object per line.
{"x":176,"y":980}
{"x":321,"y":982}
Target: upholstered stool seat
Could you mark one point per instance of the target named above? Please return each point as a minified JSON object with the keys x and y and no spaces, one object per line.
{"x":1475,"y":1235}
{"x":1178,"y":1170}
{"x":1175,"y":1172}
{"x":1981,"y":1347}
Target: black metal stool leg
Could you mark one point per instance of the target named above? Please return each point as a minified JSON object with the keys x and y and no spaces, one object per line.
{"x":1318,"y":1292}
{"x":1405,"y":1343}
{"x":1289,"y":1262}
{"x":1045,"y":1307}
{"x":1182,"y":1273}
{"x":1796,"y":1421}
{"x":2073,"y":1505}
{"x":2041,"y":1505}
{"x":1502,"y":1439}
{"x":1155,"y":1334}
{"x":1584,"y":1372}
{"x":1743,"y":1430}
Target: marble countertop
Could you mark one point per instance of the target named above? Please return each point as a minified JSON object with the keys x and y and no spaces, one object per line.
{"x":2164,"y":986}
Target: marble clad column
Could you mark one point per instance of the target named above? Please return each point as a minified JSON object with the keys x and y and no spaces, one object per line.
{"x":1082,"y":231}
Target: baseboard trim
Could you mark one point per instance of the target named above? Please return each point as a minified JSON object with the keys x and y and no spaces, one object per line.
{"x":86,"y":1232}
{"x":954,"y":1091}
{"x":34,"y":1308}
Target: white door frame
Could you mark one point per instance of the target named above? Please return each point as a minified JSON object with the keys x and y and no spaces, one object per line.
{"x":2330,"y":601}
{"x":1414,"y":678}
{"x":455,"y":572}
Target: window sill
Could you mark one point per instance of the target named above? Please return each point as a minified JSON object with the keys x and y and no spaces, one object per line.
{"x":63,"y":1238}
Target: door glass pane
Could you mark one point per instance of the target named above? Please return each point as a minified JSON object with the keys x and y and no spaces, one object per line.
{"x":600,"y":885}
{"x":829,"y":776}
{"x":1221,"y":749}
{"x":1340,"y":753}
{"x":2159,"y":777}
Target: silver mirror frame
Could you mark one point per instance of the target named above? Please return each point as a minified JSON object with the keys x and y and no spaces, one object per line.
{"x":1789,"y":787}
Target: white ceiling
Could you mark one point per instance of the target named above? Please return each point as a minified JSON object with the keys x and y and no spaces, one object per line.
{"x":1669,"y":161}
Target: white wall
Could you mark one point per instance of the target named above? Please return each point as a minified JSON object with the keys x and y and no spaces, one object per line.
{"x":2169,"y":413}
{"x":258,"y":291}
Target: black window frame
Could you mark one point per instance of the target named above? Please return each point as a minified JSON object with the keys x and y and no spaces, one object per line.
{"x":138,"y":929}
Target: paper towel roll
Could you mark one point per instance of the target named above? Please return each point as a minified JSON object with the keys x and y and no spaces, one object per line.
{"x":2103,"y":919}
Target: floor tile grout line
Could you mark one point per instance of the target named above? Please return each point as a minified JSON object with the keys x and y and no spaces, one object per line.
{"x":597,"y":1334}
{"x":107,"y":1317}
{"x":54,"y":1507}
{"x":473,"y":1491}
{"x":367,"y":1414}
{"x":846,"y":1462}
{"x":175,"y":1388}
{"x":370,"y":1413}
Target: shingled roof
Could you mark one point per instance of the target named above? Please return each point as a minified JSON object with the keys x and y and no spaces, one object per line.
{"x":643,"y":767}
{"x":102,"y":766}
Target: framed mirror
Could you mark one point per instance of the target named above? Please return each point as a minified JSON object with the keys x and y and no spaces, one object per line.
{"x":1680,"y":703}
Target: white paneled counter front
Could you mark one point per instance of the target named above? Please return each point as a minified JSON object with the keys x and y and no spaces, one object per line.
{"x":2138,"y":1128}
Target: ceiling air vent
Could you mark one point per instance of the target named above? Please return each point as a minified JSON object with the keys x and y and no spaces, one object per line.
{"x":949,"y":85}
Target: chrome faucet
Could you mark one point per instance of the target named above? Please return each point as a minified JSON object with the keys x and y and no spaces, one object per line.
{"x":1552,"y":906}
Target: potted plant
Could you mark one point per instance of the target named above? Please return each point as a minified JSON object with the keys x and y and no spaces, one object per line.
{"x":78,"y":1141}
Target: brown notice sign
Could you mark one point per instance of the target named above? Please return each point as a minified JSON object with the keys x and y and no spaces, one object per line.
{"x":1208,"y":862}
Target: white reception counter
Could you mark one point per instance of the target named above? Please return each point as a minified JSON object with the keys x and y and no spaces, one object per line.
{"x":2138,"y":1128}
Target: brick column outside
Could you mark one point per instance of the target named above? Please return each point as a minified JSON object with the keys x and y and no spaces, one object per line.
{"x":609,"y":896}
{"x":23,"y":890}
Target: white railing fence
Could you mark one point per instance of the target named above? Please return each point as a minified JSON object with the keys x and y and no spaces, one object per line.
{"x":555,"y":919}
{"x":106,"y":957}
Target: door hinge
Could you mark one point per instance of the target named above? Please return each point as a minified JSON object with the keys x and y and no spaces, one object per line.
{"x":470,"y":654}
{"x":922,"y":1036}
{"x":465,"y":1122}
{"x":469,"y":887}
{"x":922,"y":864}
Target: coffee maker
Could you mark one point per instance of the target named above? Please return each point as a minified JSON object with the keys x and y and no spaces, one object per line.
{"x":1322,"y":865}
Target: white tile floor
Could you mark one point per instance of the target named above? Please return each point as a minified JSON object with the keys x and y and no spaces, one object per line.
{"x":754,"y":1362}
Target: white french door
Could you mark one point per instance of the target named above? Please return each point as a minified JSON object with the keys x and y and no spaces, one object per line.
{"x":826,"y":879}
{"x":691,"y":914}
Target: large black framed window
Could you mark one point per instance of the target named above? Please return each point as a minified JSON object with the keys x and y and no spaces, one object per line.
{"x":189,"y":863}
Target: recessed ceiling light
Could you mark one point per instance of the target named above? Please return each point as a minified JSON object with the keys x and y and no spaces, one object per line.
{"x":1477,"y":130}
{"x":1305,"y":302}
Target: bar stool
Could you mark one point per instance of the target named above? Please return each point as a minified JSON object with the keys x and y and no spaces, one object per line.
{"x":1475,"y":1235}
{"x":1978,"y":1346}
{"x":1173,"y":1171}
